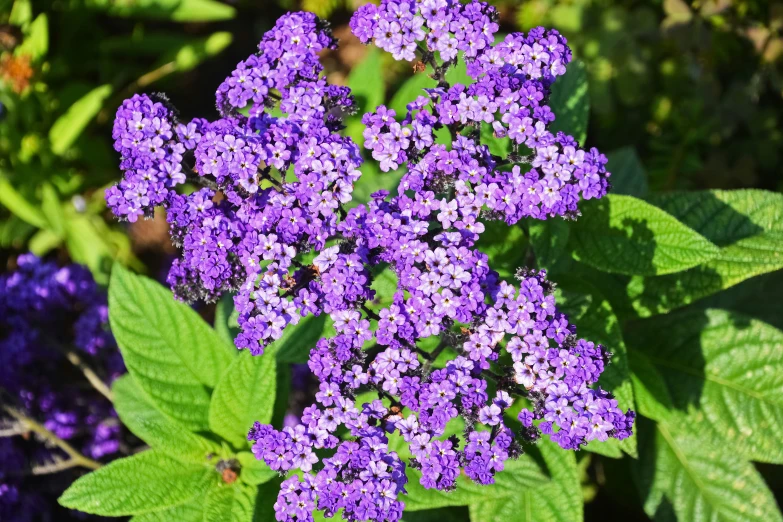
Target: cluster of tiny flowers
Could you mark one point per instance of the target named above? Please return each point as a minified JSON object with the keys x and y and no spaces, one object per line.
{"x":45,"y":311}
{"x":508,"y":96}
{"x":274,"y":187}
{"x":272,"y":224}
{"x":151,"y":157}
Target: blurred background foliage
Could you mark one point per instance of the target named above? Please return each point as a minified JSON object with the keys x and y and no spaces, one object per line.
{"x":689,"y":94}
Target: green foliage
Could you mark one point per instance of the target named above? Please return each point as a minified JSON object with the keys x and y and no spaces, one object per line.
{"x":171,"y":352}
{"x":180,"y":477}
{"x":174,"y":10}
{"x":625,"y":235}
{"x":140,"y":484}
{"x":628,"y":175}
{"x":55,"y":121}
{"x":67,"y":128}
{"x":163,"y":433}
{"x":746,"y":224}
{"x":230,"y":504}
{"x":244,"y":394}
{"x":719,"y":372}
{"x":524,"y":491}
{"x":570,"y":102}
{"x":700,"y":481}
{"x":409,"y":91}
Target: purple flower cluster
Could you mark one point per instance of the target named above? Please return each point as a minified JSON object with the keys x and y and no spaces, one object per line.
{"x":151,"y":157}
{"x":45,"y":311}
{"x":272,"y":224}
{"x":274,"y":187}
{"x":507,"y":99}
{"x":447,"y":27}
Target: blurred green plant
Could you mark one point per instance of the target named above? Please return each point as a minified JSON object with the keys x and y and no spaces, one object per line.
{"x":63,"y":68}
{"x":696,"y":87}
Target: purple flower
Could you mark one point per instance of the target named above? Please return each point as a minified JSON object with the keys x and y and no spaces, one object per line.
{"x":275,"y":223}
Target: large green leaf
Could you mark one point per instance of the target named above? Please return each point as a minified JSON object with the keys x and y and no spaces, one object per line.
{"x":570,"y":101}
{"x":141,"y":417}
{"x":746,"y":224}
{"x":625,"y":235}
{"x":703,"y":483}
{"x":725,"y":372}
{"x":521,"y":492}
{"x":174,"y":10}
{"x":595,"y":321}
{"x":628,"y":176}
{"x":171,"y":352}
{"x":245,"y":393}
{"x":650,"y":391}
{"x":191,"y":511}
{"x":234,"y":503}
{"x":88,"y":245}
{"x":68,"y":127}
{"x":139,"y":484}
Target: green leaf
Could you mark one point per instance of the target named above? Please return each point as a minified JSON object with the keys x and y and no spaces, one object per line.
{"x":625,"y":235}
{"x":366,"y":81}
{"x":746,"y":224}
{"x":88,"y":245}
{"x":549,"y":239}
{"x":254,"y":471}
{"x":704,"y":483}
{"x":192,"y":54}
{"x":297,"y":340}
{"x":145,"y":421}
{"x":725,"y":372}
{"x":191,"y":511}
{"x":595,"y":321}
{"x":173,"y":10}
{"x":50,"y":206}
{"x":409,"y":91}
{"x":497,"y":146}
{"x":43,"y":242}
{"x":136,"y":485}
{"x":628,"y":176}
{"x":19,"y":206}
{"x":171,"y":352}
{"x":235,"y":503}
{"x":21,"y":12}
{"x":570,"y":101}
{"x":245,"y":394}
{"x":385,"y":285}
{"x":36,"y":39}
{"x":650,"y":391}
{"x":459,"y":74}
{"x":68,"y":127}
{"x":506,"y":247}
{"x":521,"y":492}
